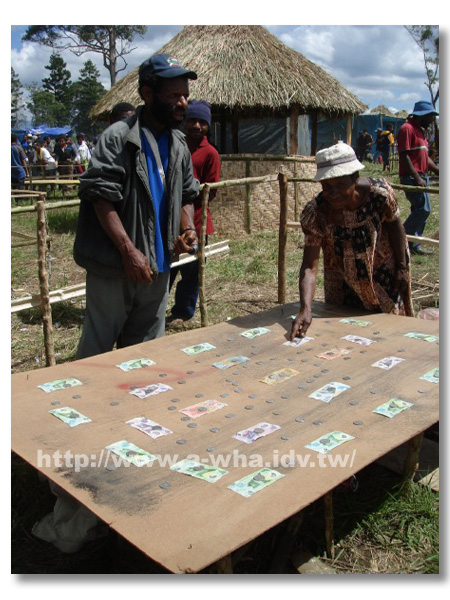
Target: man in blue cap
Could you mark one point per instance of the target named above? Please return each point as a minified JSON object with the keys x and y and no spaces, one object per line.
{"x":136,"y":213}
{"x":414,"y":164}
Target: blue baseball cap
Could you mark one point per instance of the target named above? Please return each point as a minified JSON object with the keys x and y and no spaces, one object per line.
{"x":165,"y":66}
{"x":423,"y":108}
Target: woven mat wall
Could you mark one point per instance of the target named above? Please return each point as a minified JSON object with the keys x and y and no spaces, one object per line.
{"x":228,"y":208}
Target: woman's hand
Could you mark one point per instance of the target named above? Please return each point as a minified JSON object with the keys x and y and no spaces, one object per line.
{"x":301,"y":324}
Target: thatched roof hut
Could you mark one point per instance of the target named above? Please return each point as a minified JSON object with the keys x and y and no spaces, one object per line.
{"x":245,"y":71}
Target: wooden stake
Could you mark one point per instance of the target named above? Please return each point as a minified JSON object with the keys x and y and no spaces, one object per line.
{"x":202,"y":258}
{"x":288,"y":539}
{"x":224,"y":566}
{"x":43,"y":285}
{"x":248,"y":207}
{"x":282,"y":239}
{"x":412,"y":458}
{"x":328,"y":506}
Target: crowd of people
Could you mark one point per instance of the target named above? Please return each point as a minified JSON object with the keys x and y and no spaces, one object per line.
{"x":39,"y":157}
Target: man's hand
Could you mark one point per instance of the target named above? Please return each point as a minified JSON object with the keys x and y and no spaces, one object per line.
{"x":300,"y":324}
{"x":135,"y":264}
{"x":185,"y":241}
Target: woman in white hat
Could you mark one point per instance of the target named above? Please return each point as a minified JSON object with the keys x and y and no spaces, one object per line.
{"x":356,"y":222}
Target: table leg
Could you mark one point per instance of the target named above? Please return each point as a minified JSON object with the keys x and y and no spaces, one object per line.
{"x":224,"y":566}
{"x":412,"y":458}
{"x":328,"y":507}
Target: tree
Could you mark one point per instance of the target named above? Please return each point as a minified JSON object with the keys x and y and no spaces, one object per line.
{"x":60,"y":86}
{"x":16,"y":98}
{"x":113,"y":42}
{"x":87,"y":91}
{"x":427,"y":38}
{"x":44,"y":108}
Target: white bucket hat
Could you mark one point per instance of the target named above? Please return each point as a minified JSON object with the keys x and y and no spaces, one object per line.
{"x":336,"y":161}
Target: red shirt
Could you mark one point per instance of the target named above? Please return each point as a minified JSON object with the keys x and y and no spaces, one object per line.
{"x":206,"y":164}
{"x":411,"y":137}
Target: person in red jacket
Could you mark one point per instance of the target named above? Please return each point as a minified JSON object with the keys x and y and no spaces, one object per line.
{"x":206,"y":164}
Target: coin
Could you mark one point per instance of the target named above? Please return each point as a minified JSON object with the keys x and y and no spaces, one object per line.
{"x":214,"y":430}
{"x":199,"y":395}
{"x":284,"y":396}
{"x":317,"y":375}
{"x":258,"y":430}
{"x":347,"y":357}
{"x":190,"y":372}
{"x":304,"y":360}
{"x":198,"y":468}
{"x":248,"y":407}
{"x":192,"y":425}
{"x":252,"y":396}
{"x":76,"y":396}
{"x":270,"y":401}
{"x":224,"y":395}
{"x":181,"y":441}
{"x":229,"y":415}
{"x":210,"y":449}
{"x":421,"y":391}
{"x":163,"y":375}
{"x":175,"y":400}
{"x":186,"y":418}
{"x":285,"y":437}
{"x":358,"y":422}
{"x":317,"y":422}
{"x":55,"y":403}
{"x":309,"y":380}
{"x":111,"y":467}
{"x":299,"y":419}
{"x":171,"y":408}
{"x":164,"y":485}
{"x":353,"y":402}
{"x":401,"y":350}
{"x":346,"y":378}
{"x":276,"y":412}
{"x":373,"y":391}
{"x":181,"y":381}
{"x":114,"y":403}
{"x":325,"y":370}
{"x":259,"y":478}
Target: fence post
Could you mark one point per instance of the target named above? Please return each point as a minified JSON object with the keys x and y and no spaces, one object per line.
{"x":248,"y":207}
{"x":202,"y":258}
{"x":43,"y":284}
{"x":282,"y":238}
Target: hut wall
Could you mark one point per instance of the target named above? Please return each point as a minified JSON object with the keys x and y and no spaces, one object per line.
{"x":228,"y":208}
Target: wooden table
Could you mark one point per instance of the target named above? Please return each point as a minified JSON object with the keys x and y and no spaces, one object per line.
{"x":193,"y":523}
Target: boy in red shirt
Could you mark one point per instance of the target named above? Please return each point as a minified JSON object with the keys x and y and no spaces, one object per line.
{"x":206,"y":164}
{"x":414,"y":164}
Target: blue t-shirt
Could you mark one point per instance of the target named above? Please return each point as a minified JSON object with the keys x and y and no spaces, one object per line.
{"x":159,"y":198}
{"x":17,"y":170}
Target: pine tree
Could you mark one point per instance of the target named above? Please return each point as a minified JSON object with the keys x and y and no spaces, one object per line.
{"x":87,"y":91}
{"x":59,"y":85}
{"x":16,"y":98}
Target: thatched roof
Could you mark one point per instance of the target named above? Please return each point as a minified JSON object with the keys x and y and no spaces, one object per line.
{"x":381,"y":109}
{"x":247,"y":68}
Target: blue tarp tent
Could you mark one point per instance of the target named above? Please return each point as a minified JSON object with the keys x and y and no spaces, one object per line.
{"x":52,"y":132}
{"x":329,"y":132}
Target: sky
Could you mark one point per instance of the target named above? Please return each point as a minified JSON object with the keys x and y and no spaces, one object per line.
{"x":380,"y":64}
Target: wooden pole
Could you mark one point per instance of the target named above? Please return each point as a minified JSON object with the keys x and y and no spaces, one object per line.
{"x":248,"y":207}
{"x":202,"y":258}
{"x":43,"y":285}
{"x":295,"y":192}
{"x":349,"y":130}
{"x":412,"y":458}
{"x":328,"y":506}
{"x":314,"y":133}
{"x":282,"y":238}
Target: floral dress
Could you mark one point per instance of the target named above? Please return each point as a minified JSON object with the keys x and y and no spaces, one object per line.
{"x":359,"y":264}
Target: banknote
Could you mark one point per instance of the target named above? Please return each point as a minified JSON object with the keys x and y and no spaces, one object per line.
{"x":150,"y":390}
{"x":250,"y":484}
{"x":329,"y":391}
{"x":70,"y":416}
{"x":329,"y":441}
{"x":432,"y":376}
{"x":298,"y":342}
{"x":388,"y":362}
{"x":139,"y":363}
{"x":358,"y":340}
{"x":251,"y":434}
{"x":131,"y":453}
{"x":252,"y":333}
{"x":191,"y":350}
{"x":154,"y":430}
{"x":59,"y":384}
{"x":422,"y":336}
{"x":279,"y":376}
{"x":198,"y":470}
{"x":334,"y":353}
{"x":356,"y":322}
{"x":230,"y":362}
{"x":202,"y":408}
{"x":392,"y":407}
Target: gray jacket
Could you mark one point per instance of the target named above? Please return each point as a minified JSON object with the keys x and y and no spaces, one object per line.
{"x":118,"y":173}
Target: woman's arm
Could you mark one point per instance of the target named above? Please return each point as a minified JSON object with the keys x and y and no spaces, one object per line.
{"x":307,"y":287}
